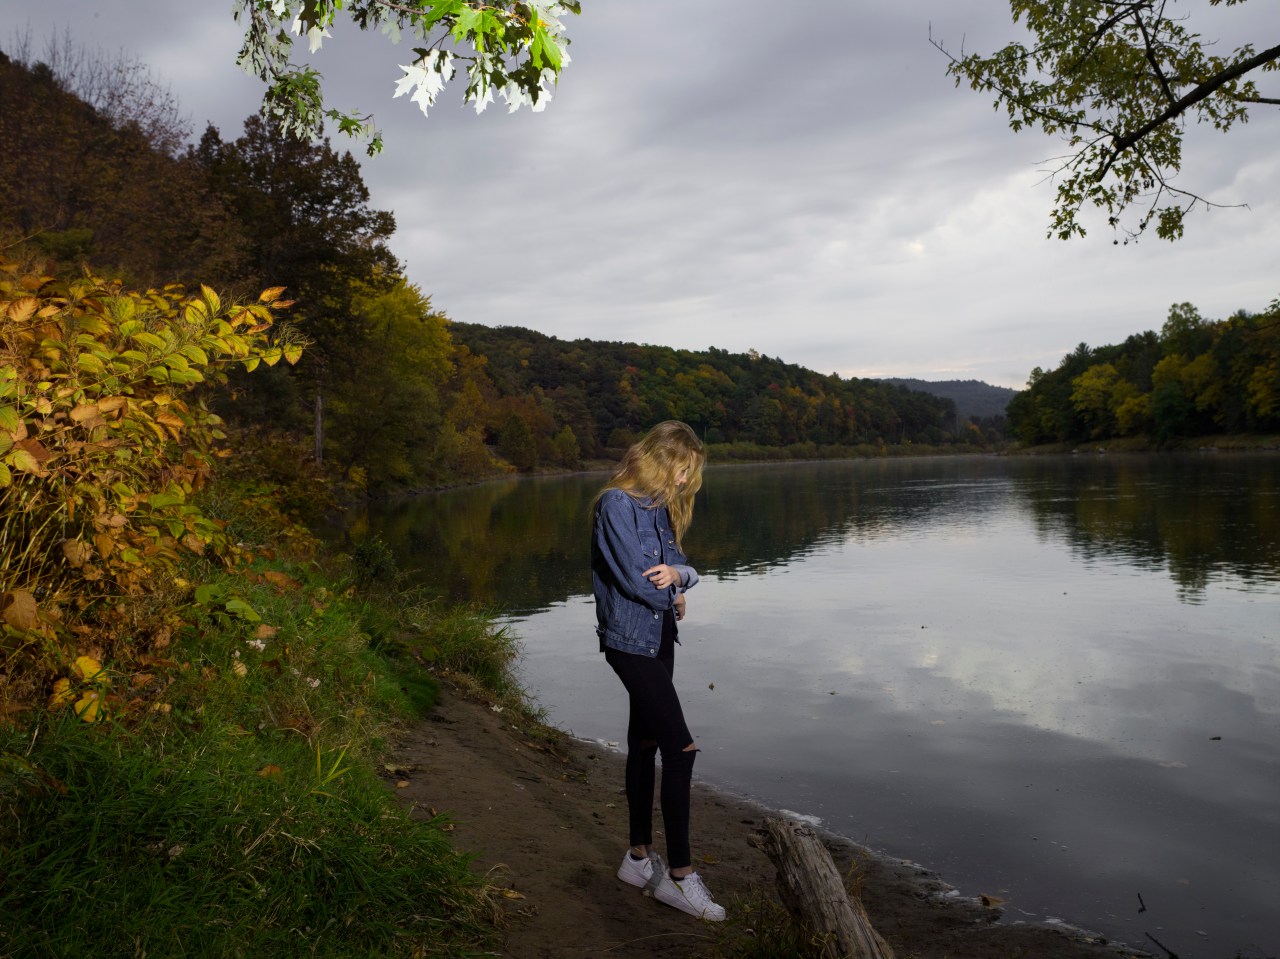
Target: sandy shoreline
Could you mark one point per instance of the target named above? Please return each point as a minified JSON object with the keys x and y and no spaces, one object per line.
{"x":550,"y":828}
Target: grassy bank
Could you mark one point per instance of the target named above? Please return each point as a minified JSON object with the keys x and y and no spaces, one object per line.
{"x":229,"y":797}
{"x":1240,"y":442}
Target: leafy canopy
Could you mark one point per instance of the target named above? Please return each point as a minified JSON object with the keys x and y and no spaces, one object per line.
{"x":1119,"y":82}
{"x":514,"y":49}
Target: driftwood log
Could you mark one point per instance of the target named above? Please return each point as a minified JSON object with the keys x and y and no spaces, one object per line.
{"x":814,"y":893}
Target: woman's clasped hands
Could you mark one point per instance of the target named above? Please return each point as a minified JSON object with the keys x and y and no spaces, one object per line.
{"x":663,"y":576}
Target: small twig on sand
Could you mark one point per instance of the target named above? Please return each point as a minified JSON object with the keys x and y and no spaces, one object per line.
{"x":1167,"y":952}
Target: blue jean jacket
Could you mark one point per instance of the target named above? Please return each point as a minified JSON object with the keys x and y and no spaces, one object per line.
{"x":628,"y":536}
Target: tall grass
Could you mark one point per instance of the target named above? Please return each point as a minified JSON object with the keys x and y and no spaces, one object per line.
{"x":234,"y":808}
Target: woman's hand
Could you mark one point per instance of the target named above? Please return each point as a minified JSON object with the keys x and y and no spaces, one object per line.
{"x":662,"y":576}
{"x":678,"y":607}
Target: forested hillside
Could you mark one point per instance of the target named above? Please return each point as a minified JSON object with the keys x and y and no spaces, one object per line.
{"x":1195,"y":377}
{"x":606,"y":392}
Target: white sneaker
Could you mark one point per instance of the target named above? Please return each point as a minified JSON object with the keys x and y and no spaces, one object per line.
{"x":689,"y":895}
{"x":642,"y":872}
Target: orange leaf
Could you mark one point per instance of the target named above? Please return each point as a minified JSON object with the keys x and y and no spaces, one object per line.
{"x":23,"y":308}
{"x":280,"y":580}
{"x":271,"y":769}
{"x":19,"y":609}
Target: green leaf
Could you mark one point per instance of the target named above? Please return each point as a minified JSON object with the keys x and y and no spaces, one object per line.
{"x":208,"y":593}
{"x":9,"y":419}
{"x":149,"y":339}
{"x":196,"y":355}
{"x":90,"y":363}
{"x":242,"y":610}
{"x":6,"y":478}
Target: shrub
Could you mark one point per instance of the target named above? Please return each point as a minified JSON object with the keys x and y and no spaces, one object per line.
{"x":105,"y":438}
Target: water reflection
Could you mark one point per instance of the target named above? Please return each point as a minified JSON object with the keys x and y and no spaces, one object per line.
{"x":1199,"y":516}
{"x":522,"y":545}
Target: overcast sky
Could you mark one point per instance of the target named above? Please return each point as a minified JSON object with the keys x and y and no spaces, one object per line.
{"x":710,"y":174}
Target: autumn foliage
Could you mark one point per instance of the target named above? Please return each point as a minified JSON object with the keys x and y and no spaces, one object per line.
{"x":105,"y":439}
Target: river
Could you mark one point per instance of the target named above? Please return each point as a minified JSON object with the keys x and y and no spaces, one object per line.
{"x":1055,"y":680}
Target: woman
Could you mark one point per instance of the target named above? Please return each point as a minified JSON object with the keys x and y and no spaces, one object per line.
{"x":640,"y":576}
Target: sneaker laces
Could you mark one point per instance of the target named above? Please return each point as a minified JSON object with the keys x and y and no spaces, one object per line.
{"x":694,"y":890}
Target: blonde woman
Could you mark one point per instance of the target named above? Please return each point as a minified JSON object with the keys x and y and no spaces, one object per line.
{"x":640,"y":576}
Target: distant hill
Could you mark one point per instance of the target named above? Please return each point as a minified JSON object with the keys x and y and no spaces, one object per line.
{"x":606,"y":393}
{"x":972,"y":397}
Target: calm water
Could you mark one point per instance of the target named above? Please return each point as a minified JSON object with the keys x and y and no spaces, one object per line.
{"x":1054,"y":680}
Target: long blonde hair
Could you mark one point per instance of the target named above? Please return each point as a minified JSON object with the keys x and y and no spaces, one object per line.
{"x":651,"y":465}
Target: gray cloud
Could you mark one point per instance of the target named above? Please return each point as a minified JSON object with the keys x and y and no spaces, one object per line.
{"x":711,"y":174}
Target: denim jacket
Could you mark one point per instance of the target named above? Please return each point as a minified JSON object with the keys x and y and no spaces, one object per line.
{"x":628,"y":537}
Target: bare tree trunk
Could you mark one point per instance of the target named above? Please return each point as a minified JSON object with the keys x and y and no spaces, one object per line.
{"x":319,"y":429}
{"x":814,"y":893}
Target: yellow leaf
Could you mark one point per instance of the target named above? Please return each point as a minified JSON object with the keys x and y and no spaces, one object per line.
{"x":19,"y":609}
{"x":239,"y":668}
{"x":512,"y":894}
{"x":89,"y":707}
{"x":211,"y":297}
{"x":62,"y":694}
{"x":273,"y":293}
{"x":86,"y":668}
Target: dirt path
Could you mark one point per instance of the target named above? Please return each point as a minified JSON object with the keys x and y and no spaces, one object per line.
{"x":552,"y":827}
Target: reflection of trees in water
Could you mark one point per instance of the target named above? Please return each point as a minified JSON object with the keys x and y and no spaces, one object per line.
{"x":523,"y":545}
{"x":1199,"y":516}
{"x":498,"y":544}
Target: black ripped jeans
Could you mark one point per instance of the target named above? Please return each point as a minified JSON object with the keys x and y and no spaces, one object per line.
{"x":656,"y":723}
